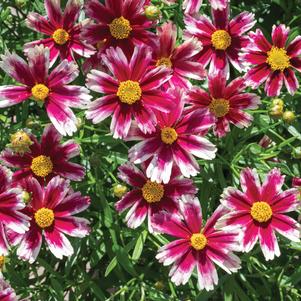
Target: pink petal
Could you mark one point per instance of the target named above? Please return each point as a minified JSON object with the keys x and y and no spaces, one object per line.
{"x":260,"y":41}
{"x":268,"y":242}
{"x":128,"y":200}
{"x":257,"y":75}
{"x":130,"y":174}
{"x":137,"y":214}
{"x":121,"y":121}
{"x":286,"y":226}
{"x":272,"y":185}
{"x":235,"y":199}
{"x":207,"y":275}
{"x":71,"y":13}
{"x":250,"y":236}
{"x":54,"y":12}
{"x":250,"y":184}
{"x":192,"y":213}
{"x":274,"y":83}
{"x":242,"y":23}
{"x":101,"y":82}
{"x":39,"y":23}
{"x":12,"y":95}
{"x":57,"y":243}
{"x":286,"y":201}
{"x":294,"y":48}
{"x":280,"y":35}
{"x":291,"y":81}
{"x":73,"y":226}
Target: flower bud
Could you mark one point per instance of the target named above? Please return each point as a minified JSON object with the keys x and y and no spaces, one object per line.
{"x":20,"y":142}
{"x":26,"y":197}
{"x":276,"y":111}
{"x":288,"y":116}
{"x":277,"y":102}
{"x":119,"y":190}
{"x":152,"y":12}
{"x":159,"y":285}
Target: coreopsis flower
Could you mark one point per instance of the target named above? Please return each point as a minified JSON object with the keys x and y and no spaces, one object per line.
{"x":196,"y":245}
{"x":10,"y":210}
{"x":260,"y":210}
{"x":118,"y":23}
{"x":52,"y":90}
{"x":51,"y":209}
{"x":46,"y":159}
{"x":226,"y":103}
{"x":62,"y":29}
{"x":133,"y":89}
{"x":175,"y":142}
{"x":147,"y":197}
{"x":178,"y":58}
{"x":274,"y":62}
{"x":222,"y":40}
{"x":6,"y":292}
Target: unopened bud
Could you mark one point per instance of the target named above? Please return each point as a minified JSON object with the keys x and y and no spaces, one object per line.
{"x":288,"y":116}
{"x":119,"y":190}
{"x":152,"y":12}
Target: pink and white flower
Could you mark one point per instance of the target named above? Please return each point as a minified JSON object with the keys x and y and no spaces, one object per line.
{"x":180,"y":59}
{"x":196,"y":245}
{"x":148,"y":198}
{"x":11,"y":204}
{"x":260,"y":211}
{"x":226,"y":103}
{"x":46,"y":159}
{"x":132,"y":89}
{"x":274,"y":63}
{"x":51,"y":209}
{"x":222,"y":40}
{"x":177,"y":138}
{"x":118,"y":23}
{"x":52,"y":90}
{"x":6,"y":292}
{"x":64,"y":34}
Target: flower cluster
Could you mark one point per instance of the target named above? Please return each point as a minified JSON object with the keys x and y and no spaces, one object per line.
{"x":149,"y":87}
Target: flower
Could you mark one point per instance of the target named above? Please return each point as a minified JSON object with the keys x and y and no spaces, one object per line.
{"x":64,"y":33}
{"x":6,"y":292}
{"x":51,"y":209}
{"x":179,"y":59}
{"x":274,"y":63}
{"x":260,"y":210}
{"x":196,"y":246}
{"x":225,"y":102}
{"x":118,"y":23}
{"x":148,"y":197}
{"x":132,"y":90}
{"x":46,"y":159}
{"x":52,"y":90}
{"x":10,"y":206}
{"x":178,"y":137}
{"x":222,"y":40}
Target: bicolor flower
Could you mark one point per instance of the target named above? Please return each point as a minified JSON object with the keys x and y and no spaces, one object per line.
{"x":118,"y":23}
{"x":222,"y":40}
{"x":51,"y":209}
{"x":46,"y":159}
{"x":52,"y":90}
{"x":226,"y":103}
{"x":274,"y":62}
{"x":196,"y":245}
{"x":177,"y":138}
{"x":132,"y":89}
{"x":6,"y":292}
{"x":179,"y":58}
{"x":11,"y":205}
{"x":260,"y":211}
{"x":62,"y":29}
{"x":147,"y":197}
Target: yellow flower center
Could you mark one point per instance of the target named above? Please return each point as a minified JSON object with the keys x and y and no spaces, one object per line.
{"x":44,"y":217}
{"x":278,"y":59}
{"x":220,"y":39}
{"x":261,"y":212}
{"x":198,"y":241}
{"x":41,"y":166}
{"x":40,"y":92}
{"x":168,"y":135}
{"x":152,"y":192}
{"x":2,"y":261}
{"x":129,"y":92}
{"x":20,"y":142}
{"x":120,"y":28}
{"x":219,"y":107}
{"x":60,"y":36}
{"x":164,"y":61}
